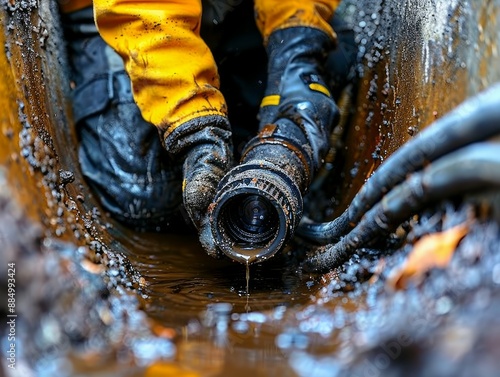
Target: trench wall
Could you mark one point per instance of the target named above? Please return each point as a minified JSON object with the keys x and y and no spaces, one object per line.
{"x":417,"y":60}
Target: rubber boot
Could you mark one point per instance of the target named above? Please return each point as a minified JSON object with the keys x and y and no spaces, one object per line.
{"x":121,"y":155}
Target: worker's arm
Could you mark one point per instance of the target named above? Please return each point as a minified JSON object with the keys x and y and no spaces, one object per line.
{"x":298,"y":38}
{"x":175,"y":84}
{"x":173,"y":73}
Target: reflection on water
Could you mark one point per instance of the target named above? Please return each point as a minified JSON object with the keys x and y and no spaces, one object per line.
{"x":182,"y":280}
{"x":203,"y":305}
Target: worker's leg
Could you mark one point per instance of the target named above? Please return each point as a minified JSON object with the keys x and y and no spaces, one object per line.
{"x":121,"y":155}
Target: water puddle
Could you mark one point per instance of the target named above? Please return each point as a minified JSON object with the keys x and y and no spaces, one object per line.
{"x":181,"y":279}
{"x":225,"y":318}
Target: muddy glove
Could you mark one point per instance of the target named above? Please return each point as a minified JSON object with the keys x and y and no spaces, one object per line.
{"x":204,"y":144}
{"x":296,"y":87}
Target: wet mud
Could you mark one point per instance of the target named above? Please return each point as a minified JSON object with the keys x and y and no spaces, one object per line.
{"x":93,"y":298}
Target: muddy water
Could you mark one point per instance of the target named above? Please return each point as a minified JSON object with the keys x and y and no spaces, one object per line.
{"x":168,"y":309}
{"x":221,"y":323}
{"x":182,"y":279}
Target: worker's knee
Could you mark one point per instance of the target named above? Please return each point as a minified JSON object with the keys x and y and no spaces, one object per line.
{"x":123,"y":160}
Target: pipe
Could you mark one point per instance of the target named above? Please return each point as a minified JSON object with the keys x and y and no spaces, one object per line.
{"x":258,"y":204}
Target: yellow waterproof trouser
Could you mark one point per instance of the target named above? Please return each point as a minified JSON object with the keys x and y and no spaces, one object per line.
{"x":173,"y":73}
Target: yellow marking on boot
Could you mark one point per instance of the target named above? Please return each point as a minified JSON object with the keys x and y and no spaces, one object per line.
{"x":183,"y":185}
{"x":272,"y":100}
{"x":319,"y":88}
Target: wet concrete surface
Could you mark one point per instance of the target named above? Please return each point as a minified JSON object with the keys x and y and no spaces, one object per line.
{"x":96,"y":299}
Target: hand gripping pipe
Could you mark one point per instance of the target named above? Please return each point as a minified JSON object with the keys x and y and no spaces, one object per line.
{"x":259,"y":202}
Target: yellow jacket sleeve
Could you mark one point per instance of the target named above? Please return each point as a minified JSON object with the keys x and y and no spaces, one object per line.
{"x":280,"y":14}
{"x":173,"y":73}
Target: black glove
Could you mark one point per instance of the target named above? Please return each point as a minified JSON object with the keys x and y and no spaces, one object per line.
{"x":265,"y":190}
{"x":204,"y":144}
{"x":296,"y":88}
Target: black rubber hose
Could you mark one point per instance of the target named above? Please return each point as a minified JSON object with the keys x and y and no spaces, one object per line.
{"x":476,"y":119}
{"x":472,"y":168}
